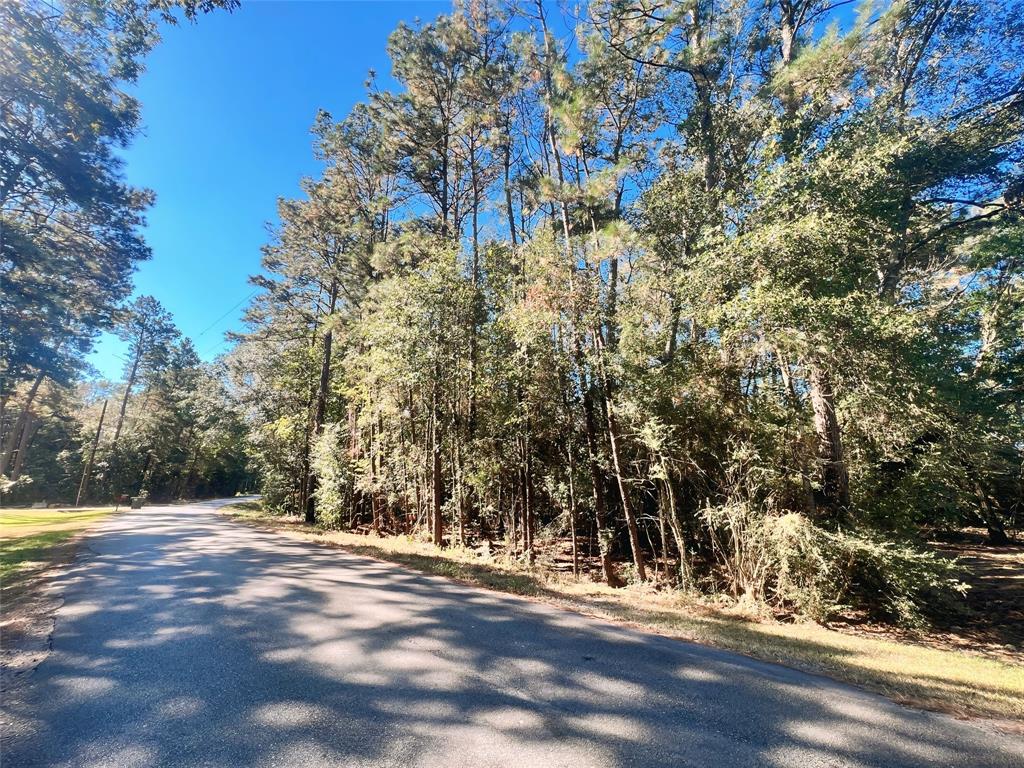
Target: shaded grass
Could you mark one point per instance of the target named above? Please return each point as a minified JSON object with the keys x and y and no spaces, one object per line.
{"x":31,"y":540}
{"x":956,"y":682}
{"x":245,"y":506}
{"x":28,"y":552}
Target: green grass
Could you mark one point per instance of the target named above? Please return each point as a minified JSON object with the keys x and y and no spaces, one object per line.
{"x":27,"y":552}
{"x":914,"y":673}
{"x":13,"y":520}
{"x":32,"y":539}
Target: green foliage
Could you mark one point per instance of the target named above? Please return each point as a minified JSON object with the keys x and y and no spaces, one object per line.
{"x":71,"y":226}
{"x":896,"y":581}
{"x":542,"y":293}
{"x":334,"y":486}
{"x":787,"y":562}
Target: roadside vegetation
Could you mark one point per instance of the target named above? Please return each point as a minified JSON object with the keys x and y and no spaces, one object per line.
{"x":723,"y":301}
{"x":72,"y":237}
{"x":920,"y":669}
{"x":712,"y":305}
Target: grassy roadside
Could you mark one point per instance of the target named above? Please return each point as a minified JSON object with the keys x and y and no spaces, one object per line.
{"x":32,"y":540}
{"x":959,"y":683}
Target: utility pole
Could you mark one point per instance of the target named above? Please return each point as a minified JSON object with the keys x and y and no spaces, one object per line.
{"x":92,"y":455}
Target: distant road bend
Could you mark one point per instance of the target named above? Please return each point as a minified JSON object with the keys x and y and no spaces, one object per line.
{"x":186,"y":639}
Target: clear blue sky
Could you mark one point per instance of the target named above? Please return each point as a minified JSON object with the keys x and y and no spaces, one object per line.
{"x":227,"y":104}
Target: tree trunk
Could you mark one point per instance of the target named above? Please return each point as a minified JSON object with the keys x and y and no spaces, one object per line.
{"x":474,"y":342}
{"x":627,"y":504}
{"x":84,"y":485}
{"x":19,"y":425}
{"x":528,"y":511}
{"x":444,"y":188}
{"x":996,"y":531}
{"x":614,"y":445}
{"x":31,"y":425}
{"x":436,"y":474}
{"x":572,"y":517}
{"x":509,"y":209}
{"x":128,"y":386}
{"x":321,"y":404}
{"x":832,"y":496}
{"x":604,"y":536}
{"x":671,"y":343}
{"x":677,"y":535}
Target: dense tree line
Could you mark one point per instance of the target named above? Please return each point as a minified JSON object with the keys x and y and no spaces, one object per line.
{"x":170,"y":430}
{"x":722,"y":294}
{"x":69,"y":241}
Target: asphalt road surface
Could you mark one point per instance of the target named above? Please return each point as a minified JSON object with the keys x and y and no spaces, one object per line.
{"x":186,"y":639}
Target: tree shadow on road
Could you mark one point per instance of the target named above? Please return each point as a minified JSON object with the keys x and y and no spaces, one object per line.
{"x":208,"y":643}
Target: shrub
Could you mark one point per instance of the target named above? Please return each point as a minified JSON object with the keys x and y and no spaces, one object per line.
{"x":785,"y":561}
{"x":897,"y":581}
{"x":804,"y":577}
{"x":781,"y":560}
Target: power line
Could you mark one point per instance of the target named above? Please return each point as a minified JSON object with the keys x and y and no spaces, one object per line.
{"x":219,"y":344}
{"x":233,"y":308}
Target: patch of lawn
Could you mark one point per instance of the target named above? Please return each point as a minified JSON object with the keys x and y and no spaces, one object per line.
{"x":953,"y":681}
{"x":33,"y":539}
{"x":23,"y":522}
{"x":28,"y":552}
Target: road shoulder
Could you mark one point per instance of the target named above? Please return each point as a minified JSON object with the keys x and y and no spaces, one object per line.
{"x":29,"y":595}
{"x":967,"y":686}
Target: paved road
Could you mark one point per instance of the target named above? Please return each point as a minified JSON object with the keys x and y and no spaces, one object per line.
{"x":189,"y":640}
